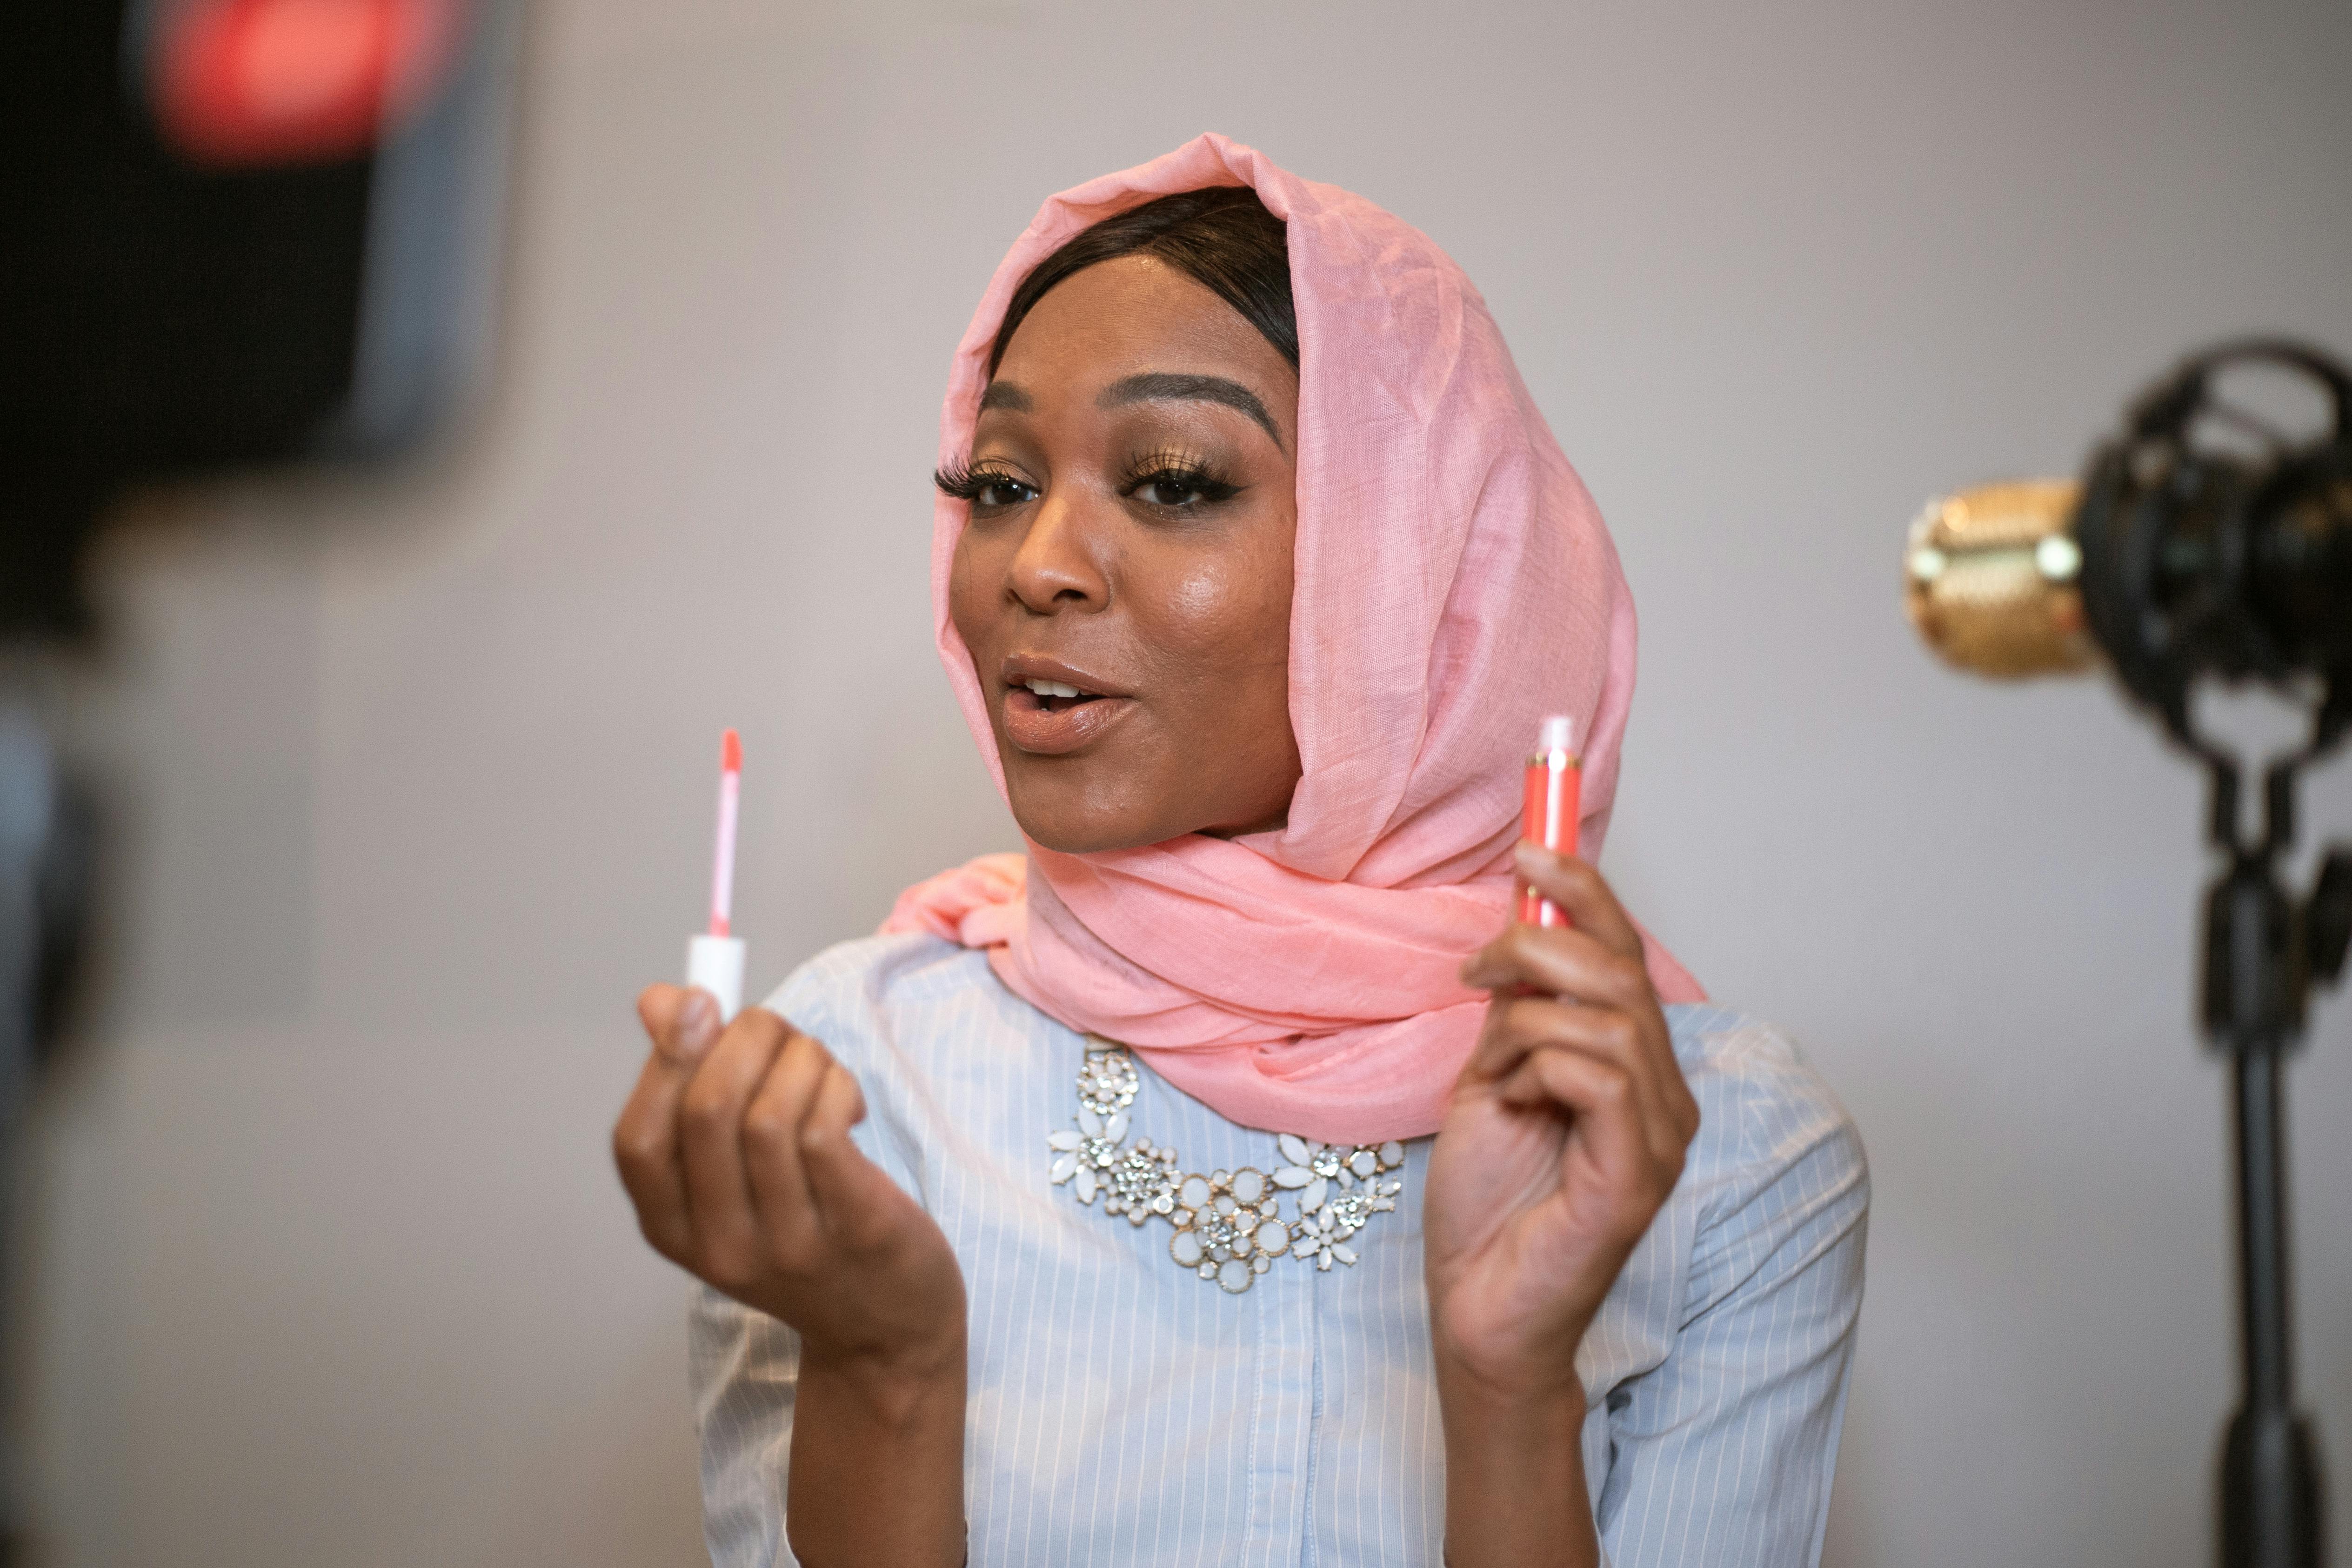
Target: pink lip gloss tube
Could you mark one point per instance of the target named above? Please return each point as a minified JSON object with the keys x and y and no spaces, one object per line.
{"x":1555,"y":783}
{"x":714,"y":960}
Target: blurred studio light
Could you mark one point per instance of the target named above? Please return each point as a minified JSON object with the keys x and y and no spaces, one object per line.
{"x":236,"y":233}
{"x":263,"y":82}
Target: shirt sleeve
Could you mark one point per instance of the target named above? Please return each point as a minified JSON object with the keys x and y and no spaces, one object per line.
{"x":744,"y":1367}
{"x":1722,"y":1453}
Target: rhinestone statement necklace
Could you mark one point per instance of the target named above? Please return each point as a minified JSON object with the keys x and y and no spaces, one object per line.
{"x":1229,"y":1225}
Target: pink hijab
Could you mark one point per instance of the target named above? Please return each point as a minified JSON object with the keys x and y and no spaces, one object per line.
{"x":1455,"y":585}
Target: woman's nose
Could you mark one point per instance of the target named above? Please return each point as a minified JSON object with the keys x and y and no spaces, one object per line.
{"x":1056,"y":568}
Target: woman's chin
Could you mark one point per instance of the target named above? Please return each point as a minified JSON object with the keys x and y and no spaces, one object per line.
{"x":1079,"y":827}
{"x":1078,"y":839}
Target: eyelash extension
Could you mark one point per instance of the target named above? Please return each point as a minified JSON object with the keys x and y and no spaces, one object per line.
{"x":1182,"y":470}
{"x":965,"y":482}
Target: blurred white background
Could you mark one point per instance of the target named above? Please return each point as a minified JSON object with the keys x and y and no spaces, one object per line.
{"x":412,"y":782}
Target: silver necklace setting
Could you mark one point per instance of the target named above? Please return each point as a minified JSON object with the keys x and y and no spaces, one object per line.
{"x":1229,"y":1226}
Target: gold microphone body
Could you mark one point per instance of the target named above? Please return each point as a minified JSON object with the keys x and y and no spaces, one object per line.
{"x":1992,"y":578}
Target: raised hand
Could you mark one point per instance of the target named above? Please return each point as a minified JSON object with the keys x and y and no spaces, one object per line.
{"x":735,"y":1148}
{"x":1565,"y":1135}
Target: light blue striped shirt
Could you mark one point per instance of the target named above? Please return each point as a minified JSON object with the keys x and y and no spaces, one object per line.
{"x":1123,"y":1410}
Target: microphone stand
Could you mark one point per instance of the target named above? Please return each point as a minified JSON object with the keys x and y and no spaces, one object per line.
{"x":2263,"y":948}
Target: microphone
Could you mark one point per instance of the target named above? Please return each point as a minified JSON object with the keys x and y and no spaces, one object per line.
{"x":1992,"y":580}
{"x":2204,"y":539}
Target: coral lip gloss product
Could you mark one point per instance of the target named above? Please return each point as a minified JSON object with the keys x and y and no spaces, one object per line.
{"x":714,"y":960}
{"x":1555,"y":783}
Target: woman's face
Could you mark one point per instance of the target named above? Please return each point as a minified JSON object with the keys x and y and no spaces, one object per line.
{"x":1132,"y":480}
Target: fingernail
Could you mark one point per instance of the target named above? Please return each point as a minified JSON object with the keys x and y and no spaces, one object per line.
{"x":698,"y":1025}
{"x":1529,"y":854}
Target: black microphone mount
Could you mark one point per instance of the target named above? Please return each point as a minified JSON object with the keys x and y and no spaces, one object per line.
{"x":2215,"y":544}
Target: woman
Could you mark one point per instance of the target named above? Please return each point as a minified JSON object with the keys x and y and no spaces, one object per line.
{"x":1254,"y":570}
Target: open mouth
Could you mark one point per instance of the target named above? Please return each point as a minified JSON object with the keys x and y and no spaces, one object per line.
{"x":1050,"y":719}
{"x":1054,"y":696}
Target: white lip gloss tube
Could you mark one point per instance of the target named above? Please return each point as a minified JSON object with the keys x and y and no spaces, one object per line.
{"x":714,"y":960}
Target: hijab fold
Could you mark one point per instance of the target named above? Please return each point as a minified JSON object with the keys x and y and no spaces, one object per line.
{"x":1455,"y":585}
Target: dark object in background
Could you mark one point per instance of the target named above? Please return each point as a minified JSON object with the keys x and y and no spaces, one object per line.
{"x":233,"y":234}
{"x":236,"y":233}
{"x":2209,"y":542}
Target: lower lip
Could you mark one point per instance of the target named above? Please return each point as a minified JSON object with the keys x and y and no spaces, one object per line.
{"x":1031,"y":727}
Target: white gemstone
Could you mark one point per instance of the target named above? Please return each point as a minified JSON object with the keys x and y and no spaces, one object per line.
{"x":1392,"y":1153}
{"x":1312,"y":1198}
{"x":1293,"y":1175}
{"x":1066,"y":1139}
{"x":1089,"y":1122}
{"x":1207,"y":1270}
{"x":1273,"y":1237}
{"x":1086,"y":1183}
{"x":1194,"y":1192}
{"x":1260,"y":1263}
{"x":1294,"y":1148}
{"x":1185,"y":1248}
{"x":1345,"y":1254}
{"x":1064,"y":1169}
{"x":1249,"y":1186}
{"x":1116,"y":1128}
{"x":1233,"y":1275}
{"x":1363,"y":1162}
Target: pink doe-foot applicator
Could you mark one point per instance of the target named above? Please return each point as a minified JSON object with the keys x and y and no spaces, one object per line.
{"x":714,"y":961}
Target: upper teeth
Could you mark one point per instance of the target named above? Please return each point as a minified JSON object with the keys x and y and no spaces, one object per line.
{"x":1052,"y":689}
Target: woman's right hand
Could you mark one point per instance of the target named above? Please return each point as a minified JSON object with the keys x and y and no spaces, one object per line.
{"x":735,"y":1149}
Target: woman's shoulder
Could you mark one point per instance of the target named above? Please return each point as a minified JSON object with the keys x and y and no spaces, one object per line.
{"x":1765,"y":1111}
{"x":881,"y":971}
{"x":890,"y":994}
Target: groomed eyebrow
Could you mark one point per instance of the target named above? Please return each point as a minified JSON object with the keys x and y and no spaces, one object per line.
{"x":1005,"y":395}
{"x":1162,"y":386}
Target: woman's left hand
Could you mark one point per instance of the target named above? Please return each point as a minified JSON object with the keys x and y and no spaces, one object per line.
{"x":1566,"y":1134}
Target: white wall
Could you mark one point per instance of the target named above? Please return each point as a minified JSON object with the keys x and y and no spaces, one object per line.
{"x":412,"y":782}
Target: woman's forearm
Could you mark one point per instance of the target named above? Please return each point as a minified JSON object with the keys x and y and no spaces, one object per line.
{"x":876,"y":1478}
{"x":1515,"y":1493}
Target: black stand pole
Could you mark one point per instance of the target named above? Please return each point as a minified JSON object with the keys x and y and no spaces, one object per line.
{"x":2261,"y":948}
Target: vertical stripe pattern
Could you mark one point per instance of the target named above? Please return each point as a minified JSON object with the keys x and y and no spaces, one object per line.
{"x":1122,"y":1410}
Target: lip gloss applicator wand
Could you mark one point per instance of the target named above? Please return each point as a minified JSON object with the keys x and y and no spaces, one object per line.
{"x":714,"y":960}
{"x":1555,"y":787}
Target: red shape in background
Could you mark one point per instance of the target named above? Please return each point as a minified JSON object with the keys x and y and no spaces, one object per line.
{"x":295,"y":81}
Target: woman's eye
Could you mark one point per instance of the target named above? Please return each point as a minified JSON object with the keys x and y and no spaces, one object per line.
{"x":1176,"y":490}
{"x":996,"y":491}
{"x":1169,"y":491}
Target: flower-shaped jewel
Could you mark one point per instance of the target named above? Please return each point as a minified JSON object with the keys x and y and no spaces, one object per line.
{"x":1226,"y":1227}
{"x":1322,"y":1241}
{"x":1142,"y":1182}
{"x":1349,"y":1211}
{"x":1108,"y":1082}
{"x":1089,"y":1152}
{"x":1301,"y":1174}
